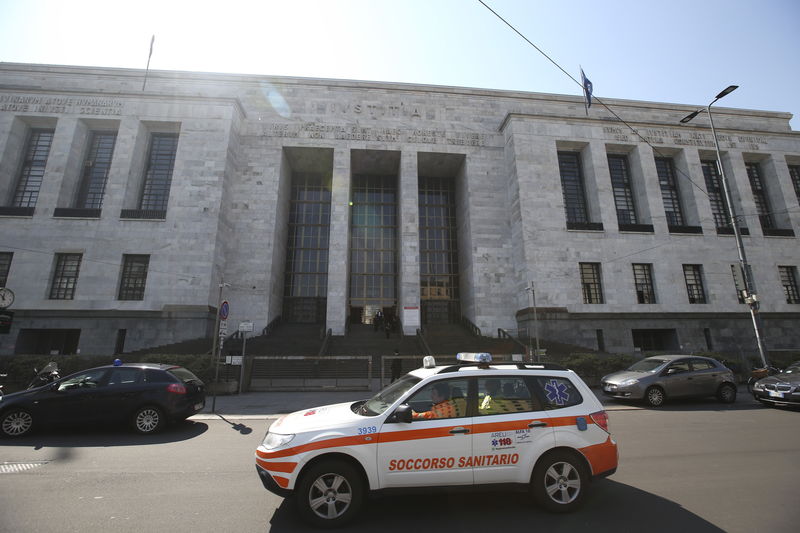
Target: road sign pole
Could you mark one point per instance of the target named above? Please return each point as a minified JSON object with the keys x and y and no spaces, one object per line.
{"x":244,"y":353}
{"x":217,"y":347}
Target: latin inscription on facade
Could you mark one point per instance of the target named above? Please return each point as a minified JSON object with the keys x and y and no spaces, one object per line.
{"x":316,"y":130}
{"x":686,"y":138}
{"x":60,"y":104}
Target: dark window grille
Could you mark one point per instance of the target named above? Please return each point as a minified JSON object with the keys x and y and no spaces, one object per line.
{"x":158,"y":176}
{"x":65,"y":277}
{"x":309,"y":228}
{"x":95,"y":170}
{"x":794,"y":173}
{"x":591,"y":284}
{"x":572,"y":187}
{"x":134,"y":276}
{"x":33,"y":165}
{"x":693,"y":274}
{"x":438,"y":243}
{"x":670,"y":193}
{"x":373,"y":238}
{"x":623,"y":189}
{"x":643,"y":281}
{"x":760,"y":196}
{"x":5,"y":266}
{"x":716,"y":196}
{"x":789,"y":283}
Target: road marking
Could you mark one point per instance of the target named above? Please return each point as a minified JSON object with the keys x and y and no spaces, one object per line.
{"x":14,"y":468}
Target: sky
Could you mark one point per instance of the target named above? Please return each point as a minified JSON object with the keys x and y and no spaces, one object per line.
{"x":676,"y":51}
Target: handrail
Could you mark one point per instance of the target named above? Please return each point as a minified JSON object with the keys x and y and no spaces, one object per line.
{"x":423,"y":342}
{"x":323,"y":349}
{"x":269,"y":327}
{"x":475,"y":330}
{"x":503,"y":334}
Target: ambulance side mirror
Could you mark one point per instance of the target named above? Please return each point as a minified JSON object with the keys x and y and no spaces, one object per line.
{"x":403,"y":413}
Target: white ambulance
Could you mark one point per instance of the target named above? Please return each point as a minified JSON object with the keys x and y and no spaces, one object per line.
{"x":537,"y":428}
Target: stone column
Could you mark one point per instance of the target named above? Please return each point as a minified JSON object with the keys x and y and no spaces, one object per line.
{"x":339,"y":247}
{"x":408,"y":301}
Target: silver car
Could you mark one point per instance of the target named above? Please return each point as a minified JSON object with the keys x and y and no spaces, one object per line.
{"x":657,"y":378}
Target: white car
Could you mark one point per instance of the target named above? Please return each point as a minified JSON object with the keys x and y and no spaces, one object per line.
{"x":537,"y":428}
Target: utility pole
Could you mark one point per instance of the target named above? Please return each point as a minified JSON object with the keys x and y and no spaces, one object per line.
{"x":217,"y":346}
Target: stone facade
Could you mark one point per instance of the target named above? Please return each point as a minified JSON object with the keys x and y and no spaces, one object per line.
{"x":242,"y":138}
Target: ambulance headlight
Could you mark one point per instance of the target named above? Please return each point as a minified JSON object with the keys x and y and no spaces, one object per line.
{"x":276,"y":440}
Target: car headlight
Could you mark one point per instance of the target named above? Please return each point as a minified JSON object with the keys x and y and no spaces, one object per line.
{"x":275,"y":440}
{"x":758,"y":386}
{"x":629,"y":382}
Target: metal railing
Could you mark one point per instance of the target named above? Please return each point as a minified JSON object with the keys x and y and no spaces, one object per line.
{"x":475,"y":330}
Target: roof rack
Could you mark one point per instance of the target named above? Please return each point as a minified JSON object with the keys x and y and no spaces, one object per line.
{"x":520,"y":366}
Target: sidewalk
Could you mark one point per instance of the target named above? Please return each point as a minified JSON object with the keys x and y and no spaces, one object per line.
{"x":265,"y":405}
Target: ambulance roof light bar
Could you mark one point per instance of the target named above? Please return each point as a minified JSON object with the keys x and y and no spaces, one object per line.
{"x":472,"y":357}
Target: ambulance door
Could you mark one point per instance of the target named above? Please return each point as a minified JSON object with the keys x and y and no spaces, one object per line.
{"x":433,"y":449}
{"x":511,"y":430}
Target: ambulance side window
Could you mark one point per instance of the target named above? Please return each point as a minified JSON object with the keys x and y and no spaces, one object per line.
{"x":505,"y":394}
{"x":556,"y":392}
{"x":452,"y":396}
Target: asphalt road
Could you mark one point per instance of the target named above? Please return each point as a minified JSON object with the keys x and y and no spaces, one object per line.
{"x":692,"y":467}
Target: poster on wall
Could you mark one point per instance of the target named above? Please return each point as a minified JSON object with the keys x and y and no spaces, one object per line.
{"x":411,"y":317}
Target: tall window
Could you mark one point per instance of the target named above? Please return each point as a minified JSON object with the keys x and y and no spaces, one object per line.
{"x":373,"y":243}
{"x":572,"y":187}
{"x":306,"y":280}
{"x":794,"y":172}
{"x":65,"y":276}
{"x":669,"y":191}
{"x":158,"y":176}
{"x":760,"y":196}
{"x":693,"y":274}
{"x":789,"y":282}
{"x":716,"y":196}
{"x":643,"y":281}
{"x":438,"y":248}
{"x":95,"y":170}
{"x":623,"y":189}
{"x":134,"y":277}
{"x":5,"y":266}
{"x":33,"y":165}
{"x":590,"y":283}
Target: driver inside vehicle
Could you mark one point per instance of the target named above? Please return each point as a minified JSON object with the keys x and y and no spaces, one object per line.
{"x":441,"y":404}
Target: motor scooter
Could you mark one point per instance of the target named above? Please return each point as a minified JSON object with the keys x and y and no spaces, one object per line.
{"x":46,"y":375}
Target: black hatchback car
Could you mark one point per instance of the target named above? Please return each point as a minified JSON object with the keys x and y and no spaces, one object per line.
{"x":145,"y":395}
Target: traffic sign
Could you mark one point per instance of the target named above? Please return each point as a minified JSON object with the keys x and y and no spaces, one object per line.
{"x":224,"y":309}
{"x":246,"y":326}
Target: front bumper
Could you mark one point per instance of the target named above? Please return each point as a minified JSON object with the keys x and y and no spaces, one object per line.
{"x":777,"y":397}
{"x":270,"y":484}
{"x":622,"y":393}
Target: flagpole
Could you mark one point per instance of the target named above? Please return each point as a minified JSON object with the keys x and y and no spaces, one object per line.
{"x":152,"y":40}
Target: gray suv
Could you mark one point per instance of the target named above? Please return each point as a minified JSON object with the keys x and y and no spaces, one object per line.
{"x":655,"y":379}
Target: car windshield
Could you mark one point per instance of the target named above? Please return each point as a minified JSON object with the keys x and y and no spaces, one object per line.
{"x":794,"y":368}
{"x":647,"y":365}
{"x":381,"y":401}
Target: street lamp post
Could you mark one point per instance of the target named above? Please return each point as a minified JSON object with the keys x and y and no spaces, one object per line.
{"x":751,"y":297}
{"x":532,"y":293}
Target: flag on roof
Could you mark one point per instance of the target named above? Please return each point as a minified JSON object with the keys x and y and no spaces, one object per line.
{"x":587,"y":90}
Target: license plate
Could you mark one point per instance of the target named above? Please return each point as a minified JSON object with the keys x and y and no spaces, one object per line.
{"x":198,"y":406}
{"x":775,"y":394}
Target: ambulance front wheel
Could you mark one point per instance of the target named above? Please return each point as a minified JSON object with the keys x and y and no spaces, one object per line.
{"x":330,"y":494}
{"x":559,"y":482}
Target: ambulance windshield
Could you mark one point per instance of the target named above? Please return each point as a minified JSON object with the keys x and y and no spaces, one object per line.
{"x":385,"y":398}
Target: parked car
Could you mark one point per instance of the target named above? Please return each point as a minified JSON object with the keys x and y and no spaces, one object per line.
{"x":782,"y":388}
{"x":654,"y":379}
{"x":145,"y":395}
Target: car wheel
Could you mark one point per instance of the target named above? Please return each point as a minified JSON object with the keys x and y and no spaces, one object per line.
{"x":16,"y":423}
{"x":654,"y":396}
{"x":726,"y":393}
{"x":329,"y":494}
{"x":147,"y":420}
{"x":559,"y":482}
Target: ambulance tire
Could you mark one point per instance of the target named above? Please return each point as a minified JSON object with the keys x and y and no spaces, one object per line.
{"x":559,"y":482}
{"x":330,"y":494}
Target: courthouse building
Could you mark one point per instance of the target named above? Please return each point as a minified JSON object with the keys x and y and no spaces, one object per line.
{"x":123,"y":205}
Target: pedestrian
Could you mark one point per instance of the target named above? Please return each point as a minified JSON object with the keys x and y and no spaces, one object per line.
{"x":387,"y":328}
{"x":397,"y":366}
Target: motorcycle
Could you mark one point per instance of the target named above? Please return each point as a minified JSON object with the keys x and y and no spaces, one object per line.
{"x":759,"y":373}
{"x":46,"y":375}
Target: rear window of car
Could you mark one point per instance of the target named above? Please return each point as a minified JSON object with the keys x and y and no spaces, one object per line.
{"x":183,"y":374}
{"x":153,"y":375}
{"x":557,"y":392}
